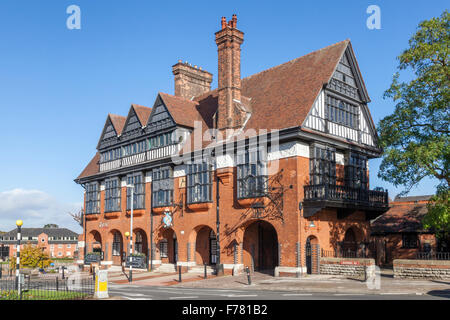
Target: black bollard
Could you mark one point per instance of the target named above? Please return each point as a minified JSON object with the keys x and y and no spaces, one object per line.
{"x":179,"y":273}
{"x":248,"y":276}
{"x":206,"y":275}
{"x":63,"y":272}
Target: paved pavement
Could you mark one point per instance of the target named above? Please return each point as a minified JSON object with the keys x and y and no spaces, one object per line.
{"x":150,"y":285}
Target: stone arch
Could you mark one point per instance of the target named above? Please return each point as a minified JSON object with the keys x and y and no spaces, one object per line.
{"x":260,"y":246}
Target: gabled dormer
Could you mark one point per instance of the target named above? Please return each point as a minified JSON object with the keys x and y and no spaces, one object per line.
{"x":340,"y":110}
{"x":136,"y":121}
{"x":160,"y":118}
{"x":111,"y":131}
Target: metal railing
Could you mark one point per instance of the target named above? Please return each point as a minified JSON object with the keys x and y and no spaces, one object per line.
{"x":346,"y":254}
{"x":48,"y":288}
{"x":344,"y":193}
{"x":433,"y":255}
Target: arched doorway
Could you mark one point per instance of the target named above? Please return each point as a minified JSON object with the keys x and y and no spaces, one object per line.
{"x":261,"y":247}
{"x":206,"y":246}
{"x":168,"y":247}
{"x":312,"y":255}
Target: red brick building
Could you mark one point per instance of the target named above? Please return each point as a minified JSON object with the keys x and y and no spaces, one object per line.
{"x":56,"y":242}
{"x":263,"y":171}
{"x":399,"y":232}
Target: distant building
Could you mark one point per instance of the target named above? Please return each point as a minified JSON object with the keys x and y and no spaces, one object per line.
{"x":56,"y":242}
{"x":399,"y":232}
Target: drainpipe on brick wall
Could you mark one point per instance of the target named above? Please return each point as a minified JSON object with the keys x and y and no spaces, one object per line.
{"x":217,"y":219}
{"x":151,"y":227}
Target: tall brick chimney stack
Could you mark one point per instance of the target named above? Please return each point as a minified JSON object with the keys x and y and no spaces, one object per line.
{"x":229,"y":41}
{"x":190,"y":81}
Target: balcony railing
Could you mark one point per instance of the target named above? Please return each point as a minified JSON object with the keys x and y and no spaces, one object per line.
{"x":327,"y":192}
{"x":150,"y":155}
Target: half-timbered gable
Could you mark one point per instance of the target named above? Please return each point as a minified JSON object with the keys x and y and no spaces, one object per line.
{"x":160,"y":119}
{"x":133,"y":128}
{"x":111,"y":130}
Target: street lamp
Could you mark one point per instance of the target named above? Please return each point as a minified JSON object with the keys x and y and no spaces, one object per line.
{"x":19,"y":224}
{"x":130,"y":278}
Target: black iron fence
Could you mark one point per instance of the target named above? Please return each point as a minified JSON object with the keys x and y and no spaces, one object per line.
{"x":346,"y":254}
{"x":433,"y":255}
{"x":47,"y":288}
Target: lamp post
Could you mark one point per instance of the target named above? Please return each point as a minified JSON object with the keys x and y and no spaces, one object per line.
{"x":19,"y":224}
{"x":130,"y":278}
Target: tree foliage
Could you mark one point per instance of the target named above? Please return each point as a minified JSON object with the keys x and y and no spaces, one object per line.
{"x":415,"y":138}
{"x":32,"y":257}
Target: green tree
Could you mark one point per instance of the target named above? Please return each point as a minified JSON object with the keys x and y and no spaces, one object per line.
{"x":31,"y":257}
{"x":415,"y":138}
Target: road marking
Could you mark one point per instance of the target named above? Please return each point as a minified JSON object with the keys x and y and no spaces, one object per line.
{"x":348,"y":294}
{"x":239,"y":295}
{"x":394,"y":293}
{"x":185,"y":297}
{"x":297,"y":294}
{"x":129,"y":298}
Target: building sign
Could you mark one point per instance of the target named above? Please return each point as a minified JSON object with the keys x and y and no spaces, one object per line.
{"x":167,"y":219}
{"x":136,"y":262}
{"x":352,"y":263}
{"x":103,"y":225}
{"x":92,"y":258}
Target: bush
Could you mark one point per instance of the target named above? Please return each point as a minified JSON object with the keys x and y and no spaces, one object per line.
{"x":31,"y":257}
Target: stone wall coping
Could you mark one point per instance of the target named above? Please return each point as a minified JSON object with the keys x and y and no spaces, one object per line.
{"x":422,"y":262}
{"x":339,"y":260}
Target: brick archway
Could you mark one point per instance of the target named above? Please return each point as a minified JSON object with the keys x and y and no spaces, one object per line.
{"x":95,"y":241}
{"x":260,"y":245}
{"x":117,"y":246}
{"x":205,"y":246}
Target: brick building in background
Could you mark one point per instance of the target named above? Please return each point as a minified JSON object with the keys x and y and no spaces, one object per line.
{"x":293,"y":178}
{"x":399,"y":232}
{"x":56,"y":242}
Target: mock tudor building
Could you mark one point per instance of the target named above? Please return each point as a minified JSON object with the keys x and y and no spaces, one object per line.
{"x":263,"y":171}
{"x":56,"y":242}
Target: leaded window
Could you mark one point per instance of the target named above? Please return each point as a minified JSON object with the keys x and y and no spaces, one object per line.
{"x":160,"y":140}
{"x":162,"y":186}
{"x":251,"y":174}
{"x":322,"y":165}
{"x":134,"y":148}
{"x":117,"y":244}
{"x":111,"y":155}
{"x":136,"y":180}
{"x":92,"y":198}
{"x":356,"y":171}
{"x":163,"y":248}
{"x":341,"y":112}
{"x":112,"y":195}
{"x":198,"y":183}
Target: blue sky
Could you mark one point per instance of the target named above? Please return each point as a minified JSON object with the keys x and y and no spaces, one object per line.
{"x":58,"y":85}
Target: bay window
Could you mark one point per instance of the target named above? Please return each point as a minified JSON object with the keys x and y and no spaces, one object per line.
{"x":162,"y":187}
{"x":251,"y":174}
{"x":198,"y":183}
{"x":112,"y":195}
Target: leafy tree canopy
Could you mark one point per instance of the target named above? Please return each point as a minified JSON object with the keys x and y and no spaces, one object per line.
{"x":415,"y":137}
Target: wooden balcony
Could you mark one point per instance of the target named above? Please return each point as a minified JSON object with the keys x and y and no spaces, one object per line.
{"x":346,"y":199}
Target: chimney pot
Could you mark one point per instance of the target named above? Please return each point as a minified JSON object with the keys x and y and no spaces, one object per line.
{"x":224,"y":22}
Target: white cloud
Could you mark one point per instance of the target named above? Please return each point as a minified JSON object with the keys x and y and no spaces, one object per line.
{"x":36,"y":208}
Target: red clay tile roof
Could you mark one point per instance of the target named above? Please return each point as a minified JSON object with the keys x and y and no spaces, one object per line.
{"x":402,"y":217}
{"x":183,"y":111}
{"x":289,"y":89}
{"x":92,"y":168}
{"x":118,"y":122}
{"x":142,"y":113}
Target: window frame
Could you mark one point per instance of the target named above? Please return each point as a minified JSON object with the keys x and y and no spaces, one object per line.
{"x":356,"y":175}
{"x":322,"y":165}
{"x":92,"y":201}
{"x":342,"y":112}
{"x":136,"y":179}
{"x":407,"y":241}
{"x":199,"y":183}
{"x":163,"y":182}
{"x":251,"y":170}
{"x":112,"y":195}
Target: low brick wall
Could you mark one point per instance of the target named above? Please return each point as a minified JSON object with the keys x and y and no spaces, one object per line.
{"x":421,"y":269}
{"x":352,"y":267}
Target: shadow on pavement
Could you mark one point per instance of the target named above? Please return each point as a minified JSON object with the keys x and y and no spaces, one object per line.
{"x":440,"y":293}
